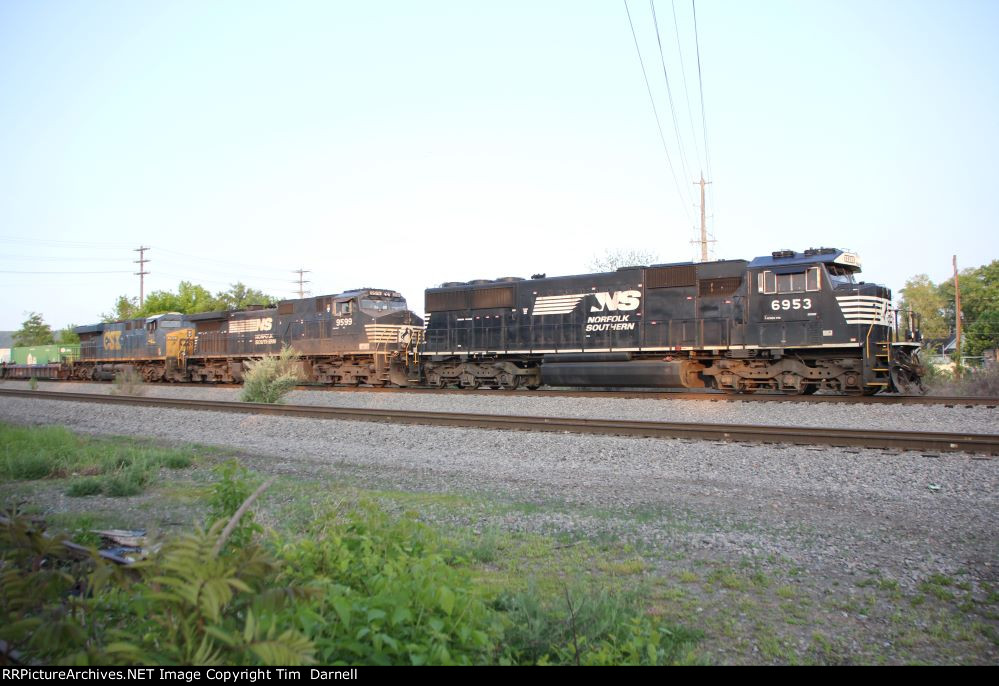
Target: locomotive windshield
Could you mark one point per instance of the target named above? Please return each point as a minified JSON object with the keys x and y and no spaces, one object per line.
{"x":376,"y":307}
{"x":839,"y":275}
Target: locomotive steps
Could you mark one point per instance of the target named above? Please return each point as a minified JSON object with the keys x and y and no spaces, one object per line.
{"x":933,"y":442}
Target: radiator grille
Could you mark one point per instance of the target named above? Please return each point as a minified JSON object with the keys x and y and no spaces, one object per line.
{"x":670,"y":277}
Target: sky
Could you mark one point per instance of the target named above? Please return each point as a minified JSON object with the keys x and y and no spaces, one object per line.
{"x":400,"y":145}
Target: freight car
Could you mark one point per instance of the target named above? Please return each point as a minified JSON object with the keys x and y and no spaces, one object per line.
{"x":788,"y":322}
{"x":361,"y":336}
{"x":51,"y":361}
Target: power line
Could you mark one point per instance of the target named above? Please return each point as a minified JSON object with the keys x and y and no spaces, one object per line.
{"x":700,"y":84}
{"x":11,"y":271}
{"x":49,"y":258}
{"x":683,"y":73}
{"x":224,"y":262}
{"x":669,"y":92}
{"x":70,"y":244}
{"x":683,"y":200}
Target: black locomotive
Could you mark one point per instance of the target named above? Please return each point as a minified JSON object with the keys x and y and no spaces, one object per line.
{"x":790,"y":322}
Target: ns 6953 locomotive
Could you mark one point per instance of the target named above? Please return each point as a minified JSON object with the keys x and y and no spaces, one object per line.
{"x":788,"y":322}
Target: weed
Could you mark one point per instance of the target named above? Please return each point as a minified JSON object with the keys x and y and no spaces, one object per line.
{"x":55,"y":452}
{"x":86,"y":486}
{"x":269,"y":379}
{"x":233,"y":487}
{"x":589,"y":627}
{"x":128,"y":381}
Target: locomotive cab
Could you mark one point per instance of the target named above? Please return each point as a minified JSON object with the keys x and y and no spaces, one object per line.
{"x":813,"y":301}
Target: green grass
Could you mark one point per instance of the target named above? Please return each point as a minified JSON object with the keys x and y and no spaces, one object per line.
{"x":114,"y":467}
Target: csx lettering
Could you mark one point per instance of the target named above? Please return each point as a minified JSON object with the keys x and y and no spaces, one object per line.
{"x":791,"y":304}
{"x":112,"y":340}
{"x":621,"y":300}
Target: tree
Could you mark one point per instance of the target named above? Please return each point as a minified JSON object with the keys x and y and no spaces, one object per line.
{"x":124,"y":308}
{"x":924,"y":297}
{"x":610,"y":261}
{"x":979,"y":293}
{"x":240,"y":296}
{"x":189,"y":299}
{"x":34,"y":331}
{"x":67,"y":336}
{"x":983,"y":334}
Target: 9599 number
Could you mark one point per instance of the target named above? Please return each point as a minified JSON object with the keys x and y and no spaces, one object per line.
{"x":791,"y":304}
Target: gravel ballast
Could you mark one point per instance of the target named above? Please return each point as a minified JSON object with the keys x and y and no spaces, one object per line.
{"x":975,"y":419}
{"x":834,"y":513}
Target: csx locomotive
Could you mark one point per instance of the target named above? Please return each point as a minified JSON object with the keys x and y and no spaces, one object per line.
{"x":789,"y":322}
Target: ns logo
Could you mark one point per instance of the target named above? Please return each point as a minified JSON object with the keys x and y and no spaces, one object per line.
{"x":620,"y":300}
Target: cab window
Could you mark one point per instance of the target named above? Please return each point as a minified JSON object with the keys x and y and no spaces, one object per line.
{"x":796,"y":282}
{"x":839,"y":275}
{"x":376,"y":306}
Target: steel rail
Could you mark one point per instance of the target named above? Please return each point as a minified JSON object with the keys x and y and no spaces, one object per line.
{"x":653,"y":394}
{"x":924,"y":441}
{"x":635,"y":393}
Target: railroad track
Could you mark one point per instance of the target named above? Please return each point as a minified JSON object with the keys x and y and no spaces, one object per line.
{"x":650,"y":394}
{"x":923,"y":441}
{"x":707,"y":396}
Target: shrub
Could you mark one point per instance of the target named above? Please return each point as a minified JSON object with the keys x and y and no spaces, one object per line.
{"x":269,"y":379}
{"x":973,"y":381}
{"x":386,"y":595}
{"x":128,"y":382}
{"x":183,"y":606}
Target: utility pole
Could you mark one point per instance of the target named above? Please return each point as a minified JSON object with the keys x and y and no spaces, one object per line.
{"x":142,"y":273}
{"x":302,"y":280}
{"x":704,"y":222}
{"x":957,"y":317}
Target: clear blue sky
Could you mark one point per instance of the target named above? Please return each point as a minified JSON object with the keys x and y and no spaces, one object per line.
{"x":402,"y":144}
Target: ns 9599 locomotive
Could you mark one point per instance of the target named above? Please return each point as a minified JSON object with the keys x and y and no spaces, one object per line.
{"x":789,"y":322}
